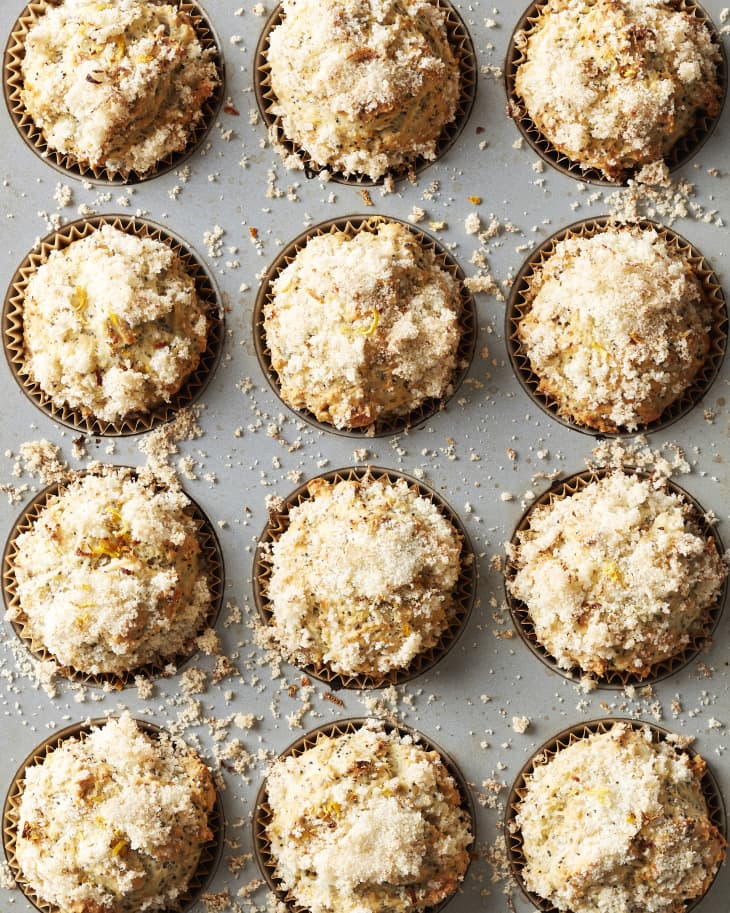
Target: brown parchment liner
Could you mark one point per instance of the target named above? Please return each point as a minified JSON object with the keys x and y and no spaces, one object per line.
{"x":463,"y":595}
{"x":351,"y":226}
{"x":262,"y":814}
{"x":700,"y":635}
{"x":212,"y":559}
{"x":68,"y":164}
{"x":209,"y":857}
{"x":75,"y":417}
{"x":566,"y":738}
{"x":519,"y":305}
{"x":682,"y":151}
{"x":463,"y":49}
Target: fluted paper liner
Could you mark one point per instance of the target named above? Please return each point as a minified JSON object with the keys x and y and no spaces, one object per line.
{"x":68,"y":164}
{"x":461,"y":44}
{"x":564,"y":739}
{"x":520,"y":304}
{"x":212,"y":559}
{"x":351,"y":226}
{"x":262,"y":811}
{"x":700,"y":635}
{"x":463,"y":595}
{"x":75,"y":417}
{"x":683,"y":150}
{"x":209,"y":857}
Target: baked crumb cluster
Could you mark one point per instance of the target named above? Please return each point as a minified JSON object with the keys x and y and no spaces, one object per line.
{"x":618,"y":823}
{"x":114,"y":822}
{"x":363,"y":327}
{"x":617,"y":328}
{"x":112,"y":324}
{"x":614,"y":84}
{"x":367,"y":822}
{"x":119,"y":85}
{"x":363,"y":578}
{"x":616,"y":577}
{"x":363,"y":86}
{"x":110,"y":575}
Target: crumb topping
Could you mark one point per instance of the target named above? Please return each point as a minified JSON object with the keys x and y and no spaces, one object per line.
{"x":364,"y":327}
{"x":363,"y":86}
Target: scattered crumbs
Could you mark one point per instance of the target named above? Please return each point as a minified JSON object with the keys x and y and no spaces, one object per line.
{"x":366,"y":198}
{"x":520,"y":724}
{"x":63,"y":195}
{"x":417,"y":214}
{"x":472,"y":223}
{"x":42,"y":459}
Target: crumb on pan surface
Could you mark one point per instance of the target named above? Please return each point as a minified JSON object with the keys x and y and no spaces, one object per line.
{"x":616,"y":577}
{"x":618,"y":327}
{"x":117,"y":85}
{"x":614,"y":84}
{"x":112,"y":324}
{"x":114,"y":822}
{"x":363,"y":578}
{"x":363,"y":328}
{"x":110,"y":575}
{"x":363,"y":86}
{"x":367,"y":821}
{"x":618,"y":823}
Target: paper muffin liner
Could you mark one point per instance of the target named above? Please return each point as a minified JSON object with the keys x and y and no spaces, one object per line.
{"x":683,"y":150}
{"x":75,"y":417}
{"x":209,"y":857}
{"x":351,"y":226}
{"x":701,"y":633}
{"x":68,"y":164}
{"x":463,"y":595}
{"x":262,"y":810}
{"x":520,"y":303}
{"x":212,"y":558}
{"x":564,"y":739}
{"x":463,"y":48}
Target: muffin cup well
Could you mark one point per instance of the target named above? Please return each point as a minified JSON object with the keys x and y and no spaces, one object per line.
{"x":212,"y":558}
{"x":564,"y":739}
{"x":262,"y":811}
{"x":461,"y":44}
{"x":463,"y":596}
{"x":75,"y":417}
{"x":520,"y":303}
{"x":68,"y":164}
{"x":683,"y":150}
{"x":209,"y":857}
{"x":701,"y":635}
{"x":351,"y":226}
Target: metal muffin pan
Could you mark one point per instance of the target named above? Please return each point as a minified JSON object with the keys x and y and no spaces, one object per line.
{"x":490,"y":452}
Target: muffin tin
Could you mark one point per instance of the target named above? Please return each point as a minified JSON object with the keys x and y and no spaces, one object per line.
{"x":490,"y":453}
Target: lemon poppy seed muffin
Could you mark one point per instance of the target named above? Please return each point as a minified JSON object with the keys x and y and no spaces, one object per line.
{"x":119,"y":85}
{"x":114,"y":822}
{"x":363,"y":327}
{"x":617,"y":329}
{"x":616,"y":577}
{"x":363,"y":86}
{"x":367,"y":822}
{"x":614,"y":84}
{"x":363,"y":578}
{"x":112,"y":325}
{"x":618,"y":823}
{"x":110,"y":575}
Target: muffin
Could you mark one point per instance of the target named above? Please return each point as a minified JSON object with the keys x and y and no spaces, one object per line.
{"x":617,"y":329}
{"x":363,"y":327}
{"x":616,"y":577}
{"x":615,"y":84}
{"x":120,"y":85}
{"x":363,"y":86}
{"x":618,"y":822}
{"x":110,"y":575}
{"x":112,"y":325}
{"x":114,"y":822}
{"x":366,"y":822}
{"x":363,"y":579}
